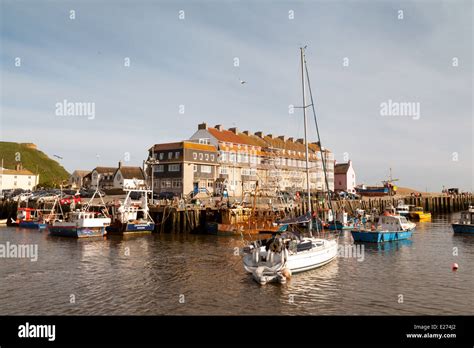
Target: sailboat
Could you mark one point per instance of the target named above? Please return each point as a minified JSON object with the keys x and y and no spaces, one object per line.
{"x":296,"y":249}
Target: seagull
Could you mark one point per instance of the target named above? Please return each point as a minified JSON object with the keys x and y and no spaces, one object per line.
{"x":242,"y":81}
{"x":58,"y":156}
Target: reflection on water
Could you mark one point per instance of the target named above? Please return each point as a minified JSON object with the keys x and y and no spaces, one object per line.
{"x":198,"y":274}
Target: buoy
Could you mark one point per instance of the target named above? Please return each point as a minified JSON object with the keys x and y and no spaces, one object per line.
{"x":455,"y":266}
{"x":286,"y":273}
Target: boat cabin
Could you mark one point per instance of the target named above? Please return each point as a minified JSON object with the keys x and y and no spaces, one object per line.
{"x":467,"y":217}
{"x":392,"y":223}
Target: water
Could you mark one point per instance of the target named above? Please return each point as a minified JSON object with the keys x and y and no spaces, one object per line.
{"x":198,"y":274}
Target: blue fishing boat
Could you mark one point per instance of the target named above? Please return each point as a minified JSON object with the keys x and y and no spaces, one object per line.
{"x":132,"y":216}
{"x":389,"y":228}
{"x":33,"y":224}
{"x":466,"y":223}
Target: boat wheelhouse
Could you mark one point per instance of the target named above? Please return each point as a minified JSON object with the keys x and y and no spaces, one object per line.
{"x":389,"y":228}
{"x":466,"y":222}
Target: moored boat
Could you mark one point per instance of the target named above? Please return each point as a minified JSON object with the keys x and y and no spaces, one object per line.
{"x":466,"y":222}
{"x":403,"y":209}
{"x":30,"y":218}
{"x":132,"y":216}
{"x":389,"y":228}
{"x":417,"y":214}
{"x":85,"y":222}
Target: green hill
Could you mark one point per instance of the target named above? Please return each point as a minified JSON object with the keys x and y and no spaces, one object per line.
{"x":51,"y":173}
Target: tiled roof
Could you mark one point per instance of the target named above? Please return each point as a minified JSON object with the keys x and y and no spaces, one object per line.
{"x":183,"y":144}
{"x":81,"y":173}
{"x":227,"y":136}
{"x":103,"y":170}
{"x":341,"y":168}
{"x":15,"y":172}
{"x":132,"y":173}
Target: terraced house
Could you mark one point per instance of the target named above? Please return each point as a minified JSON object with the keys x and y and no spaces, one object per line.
{"x":275,"y":162}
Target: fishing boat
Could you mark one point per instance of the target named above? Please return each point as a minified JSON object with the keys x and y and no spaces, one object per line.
{"x":403,"y":209}
{"x":90,"y":221}
{"x":131,"y":216}
{"x":389,"y":228}
{"x":372,"y":191}
{"x":466,"y":223}
{"x":417,"y":214}
{"x":296,"y":250}
{"x":30,"y":218}
{"x":342,"y":223}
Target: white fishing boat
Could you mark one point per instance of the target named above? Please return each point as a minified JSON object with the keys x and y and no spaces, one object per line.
{"x":90,"y":221}
{"x":132,"y":216}
{"x":293,"y":251}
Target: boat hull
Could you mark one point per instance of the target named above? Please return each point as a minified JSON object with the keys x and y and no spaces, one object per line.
{"x":463,"y":228}
{"x":131,"y":228}
{"x":380,"y":236}
{"x":420,"y":216}
{"x":77,"y":232}
{"x":33,"y":225}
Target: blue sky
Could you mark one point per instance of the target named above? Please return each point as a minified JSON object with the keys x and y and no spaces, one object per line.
{"x":190,"y":62}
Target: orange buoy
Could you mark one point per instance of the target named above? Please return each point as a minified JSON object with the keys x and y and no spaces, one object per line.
{"x":455,"y":266}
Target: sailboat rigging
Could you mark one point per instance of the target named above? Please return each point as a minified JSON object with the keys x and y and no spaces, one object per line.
{"x":276,"y":258}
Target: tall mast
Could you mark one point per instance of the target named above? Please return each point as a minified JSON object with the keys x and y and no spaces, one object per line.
{"x":308,"y":185}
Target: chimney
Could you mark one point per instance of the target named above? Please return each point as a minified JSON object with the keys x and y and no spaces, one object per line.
{"x":270,"y":136}
{"x":202,"y":126}
{"x":234,"y":130}
{"x":300,"y":140}
{"x":259,"y":134}
{"x":218,"y":127}
{"x":290,"y":140}
{"x":246,"y":132}
{"x":120,"y":164}
{"x":282,"y":137}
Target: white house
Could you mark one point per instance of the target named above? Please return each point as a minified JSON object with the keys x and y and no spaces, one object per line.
{"x":129,"y":177}
{"x":76,"y":180}
{"x":18,"y":178}
{"x":102,"y":175}
{"x":344,"y":177}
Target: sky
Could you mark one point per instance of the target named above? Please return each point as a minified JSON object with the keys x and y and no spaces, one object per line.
{"x":182,"y":71}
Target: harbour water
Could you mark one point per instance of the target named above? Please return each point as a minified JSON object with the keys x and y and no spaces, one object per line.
{"x":178,"y":274}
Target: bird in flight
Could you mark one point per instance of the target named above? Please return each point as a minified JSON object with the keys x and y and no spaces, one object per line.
{"x":242,"y":81}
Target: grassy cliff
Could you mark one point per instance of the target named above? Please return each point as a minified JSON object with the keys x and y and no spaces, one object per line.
{"x":51,"y":173}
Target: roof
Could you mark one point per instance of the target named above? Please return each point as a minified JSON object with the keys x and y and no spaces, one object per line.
{"x":183,"y":144}
{"x":16,"y":172}
{"x":227,"y":136}
{"x":132,"y":173}
{"x":103,"y":170}
{"x":81,"y":173}
{"x":341,"y":168}
{"x":253,"y":140}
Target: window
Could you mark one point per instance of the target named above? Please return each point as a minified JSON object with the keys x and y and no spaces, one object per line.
{"x":223,"y":156}
{"x":195,"y":169}
{"x":245,"y":158}
{"x":206,"y":169}
{"x":201,"y":156}
{"x":170,"y":155}
{"x":160,"y":168}
{"x":165,"y":183}
{"x":29,"y":177}
{"x":212,"y":158}
{"x":176,"y":154}
{"x":239,"y":157}
{"x":29,"y":183}
{"x":232,"y":157}
{"x":204,"y":141}
{"x":223,"y":170}
{"x":176,"y":183}
{"x":210,"y":183}
{"x":206,"y":157}
{"x":162,"y":155}
{"x":173,"y":168}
